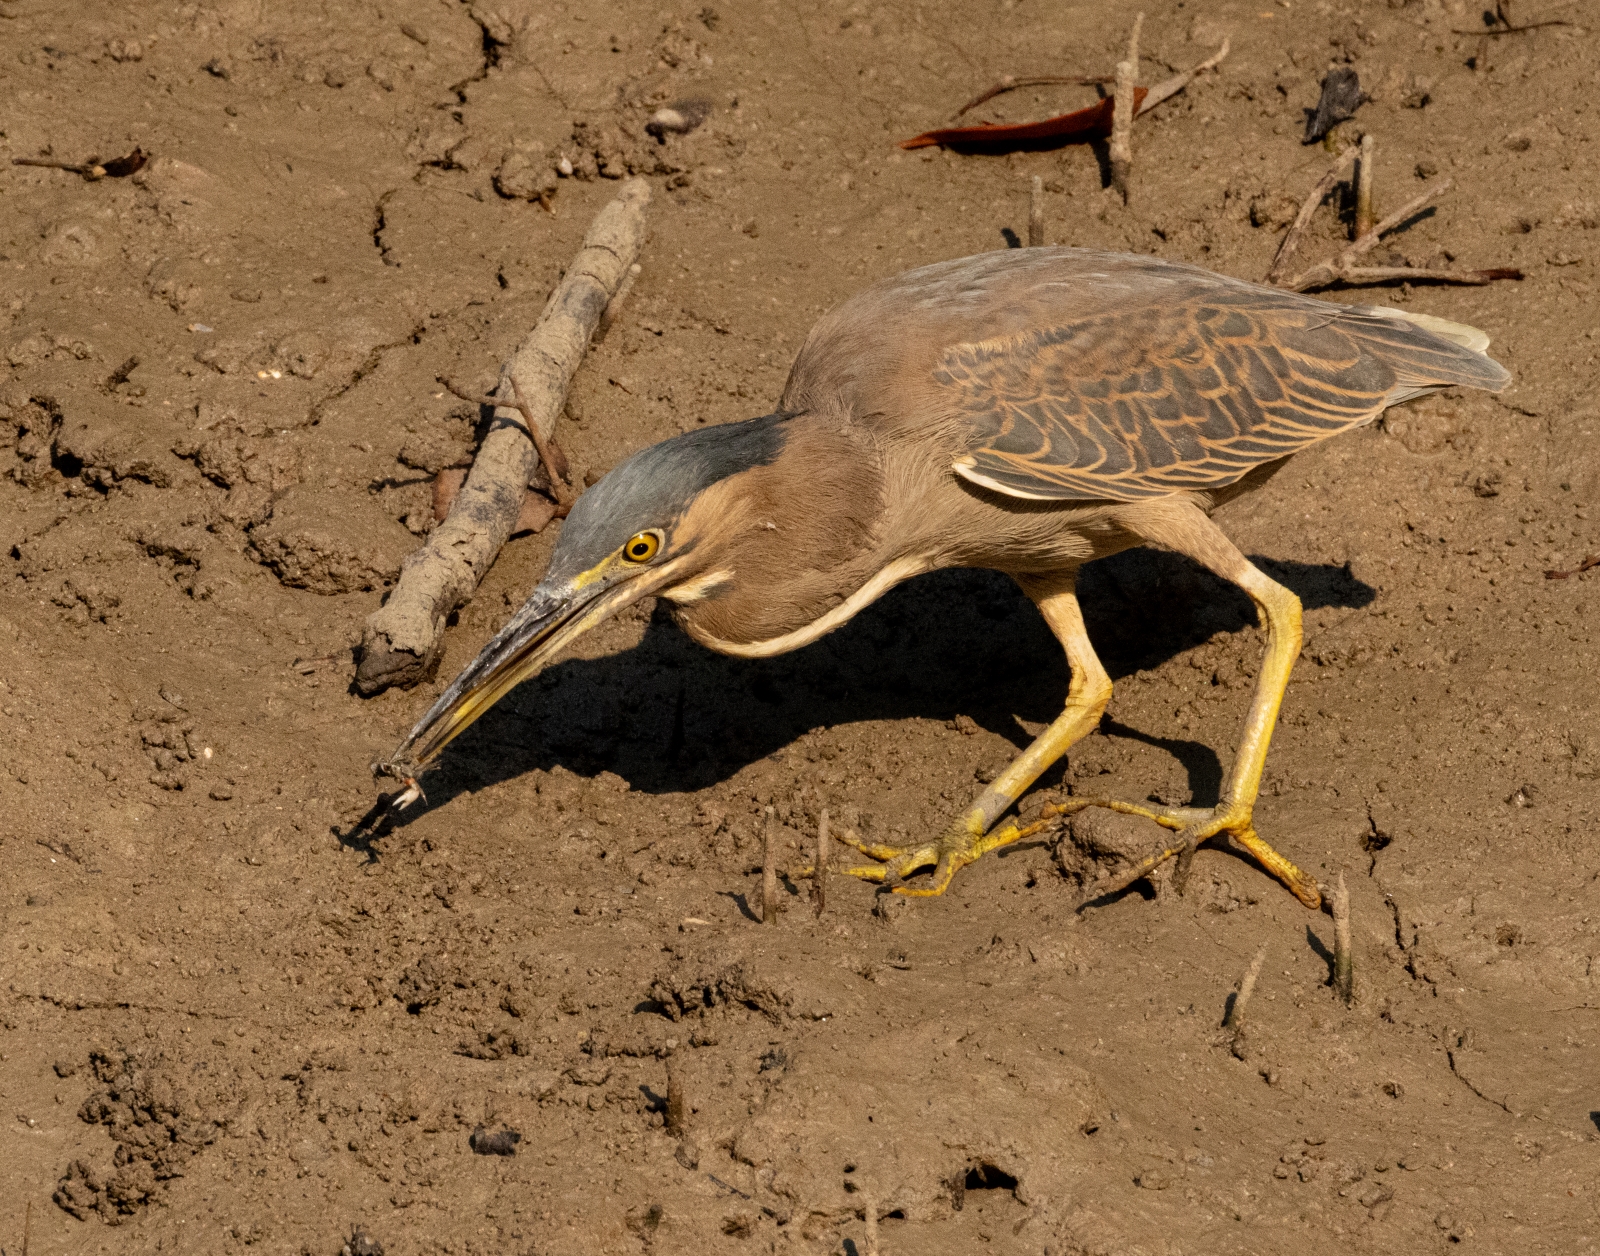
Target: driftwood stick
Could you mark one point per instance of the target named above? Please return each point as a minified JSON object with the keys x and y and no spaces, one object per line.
{"x":403,"y":639}
{"x":1036,"y":213}
{"x":1343,"y":964}
{"x":869,"y":1214}
{"x":1122,"y":114}
{"x":1366,"y":217}
{"x":1172,"y":86}
{"x":769,"y":869}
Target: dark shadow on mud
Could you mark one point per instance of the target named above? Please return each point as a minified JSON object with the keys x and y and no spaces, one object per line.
{"x":669,"y":716}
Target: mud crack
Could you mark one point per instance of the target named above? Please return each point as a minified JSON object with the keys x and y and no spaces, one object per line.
{"x":1455,"y":1068}
{"x":369,"y":364}
{"x":380,"y":223}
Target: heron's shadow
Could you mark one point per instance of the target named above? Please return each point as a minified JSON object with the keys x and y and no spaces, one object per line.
{"x":669,"y":716}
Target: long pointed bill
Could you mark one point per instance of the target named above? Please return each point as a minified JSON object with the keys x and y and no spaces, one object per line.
{"x":556,"y":614}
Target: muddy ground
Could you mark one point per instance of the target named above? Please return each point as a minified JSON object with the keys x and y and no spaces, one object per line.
{"x":227,"y":1023}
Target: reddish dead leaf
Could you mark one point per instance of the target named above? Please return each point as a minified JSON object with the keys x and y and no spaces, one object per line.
{"x":1092,"y":122}
{"x":1590,"y":560}
{"x":537,"y":509}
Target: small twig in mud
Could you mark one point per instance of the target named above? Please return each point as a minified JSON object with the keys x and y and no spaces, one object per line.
{"x":677,"y":1117}
{"x":1342,"y":269}
{"x":27,"y":1227}
{"x":1172,"y":86}
{"x":1122,"y":113}
{"x":1010,"y":83}
{"x":1589,"y":561}
{"x":869,"y":1214}
{"x":1234,"y":1022}
{"x":1343,"y":965}
{"x":1308,"y":208}
{"x":614,"y":306}
{"x":820,"y":866}
{"x":559,"y":488}
{"x":1366,"y":216}
{"x":94,"y":169}
{"x":1499,"y":23}
{"x":769,"y":870}
{"x":1036,"y":213}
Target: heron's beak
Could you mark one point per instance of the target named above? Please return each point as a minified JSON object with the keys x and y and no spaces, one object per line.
{"x":555,"y":614}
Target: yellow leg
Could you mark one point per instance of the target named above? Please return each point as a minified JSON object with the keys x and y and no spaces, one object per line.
{"x":968,"y":837}
{"x":1184,"y":528}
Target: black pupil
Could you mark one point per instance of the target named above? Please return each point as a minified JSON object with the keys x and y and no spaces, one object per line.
{"x":641,"y":548}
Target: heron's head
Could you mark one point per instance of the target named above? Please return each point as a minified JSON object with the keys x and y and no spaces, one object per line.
{"x":656,"y":525}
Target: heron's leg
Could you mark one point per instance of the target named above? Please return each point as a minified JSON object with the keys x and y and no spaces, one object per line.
{"x":1182,"y":527}
{"x":968,"y":837}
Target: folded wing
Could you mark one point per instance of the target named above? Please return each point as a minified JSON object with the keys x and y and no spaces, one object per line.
{"x":1187,"y":392}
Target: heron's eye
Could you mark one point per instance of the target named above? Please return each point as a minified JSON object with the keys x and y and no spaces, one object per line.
{"x":642,"y":547}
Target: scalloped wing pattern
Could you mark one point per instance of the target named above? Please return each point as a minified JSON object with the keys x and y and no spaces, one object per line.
{"x":1190,"y":394}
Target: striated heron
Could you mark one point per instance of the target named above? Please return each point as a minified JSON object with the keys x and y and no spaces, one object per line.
{"x":1027,"y":411}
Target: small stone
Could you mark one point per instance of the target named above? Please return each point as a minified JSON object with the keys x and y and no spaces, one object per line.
{"x":222,"y":793}
{"x":678,"y":118}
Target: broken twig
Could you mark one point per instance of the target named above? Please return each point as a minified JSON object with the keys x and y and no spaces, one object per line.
{"x":1343,"y":965}
{"x":94,"y":169}
{"x":1308,"y":209}
{"x":769,"y":870}
{"x":1172,"y":86}
{"x":1036,"y":213}
{"x":1343,"y":268}
{"x":869,"y":1213}
{"x":677,"y":1114}
{"x":1366,"y":216}
{"x":403,"y":639}
{"x":1123,"y":113}
{"x":555,"y":466}
{"x":1234,"y":1021}
{"x":820,"y":866}
{"x":1589,"y":561}
{"x":614,"y":306}
{"x":1010,"y":83}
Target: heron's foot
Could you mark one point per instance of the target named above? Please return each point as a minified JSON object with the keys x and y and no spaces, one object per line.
{"x":1191,"y":826}
{"x":960,"y":844}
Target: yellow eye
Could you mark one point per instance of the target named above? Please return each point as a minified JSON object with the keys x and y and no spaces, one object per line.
{"x":642,"y":547}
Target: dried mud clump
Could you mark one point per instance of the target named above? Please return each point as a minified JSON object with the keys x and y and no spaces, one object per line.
{"x":169,"y":738}
{"x":28,"y":426}
{"x":253,"y":470}
{"x":680,"y":994}
{"x":527,"y":176}
{"x":157,"y":1127}
{"x":328,"y":547}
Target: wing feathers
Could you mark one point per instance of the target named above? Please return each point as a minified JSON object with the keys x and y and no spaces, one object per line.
{"x":1192,"y":393}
